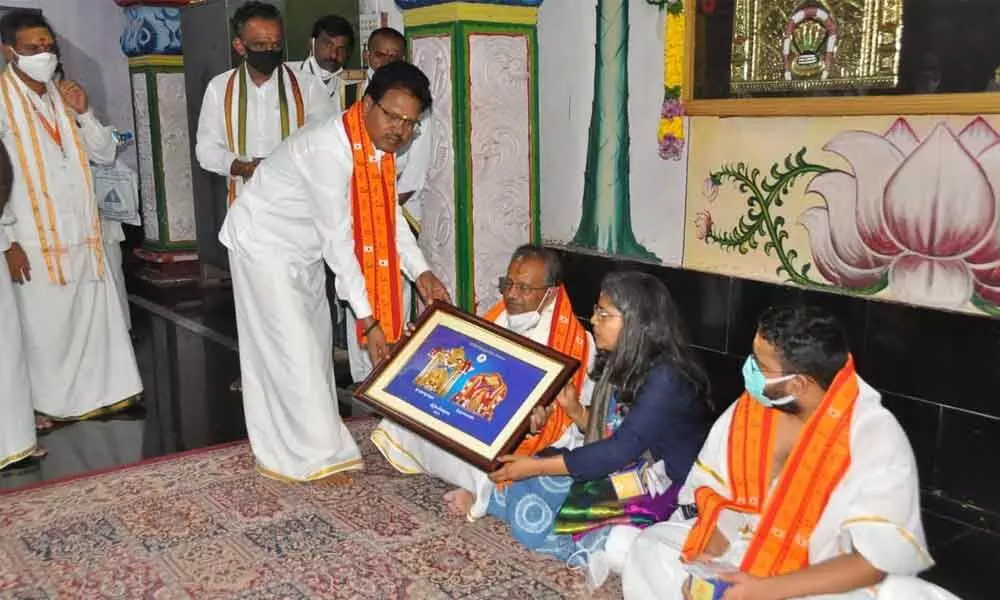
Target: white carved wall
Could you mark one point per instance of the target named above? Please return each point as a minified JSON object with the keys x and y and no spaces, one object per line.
{"x":144,"y":143}
{"x":437,"y":238}
{"x":176,"y":151}
{"x":500,"y":97}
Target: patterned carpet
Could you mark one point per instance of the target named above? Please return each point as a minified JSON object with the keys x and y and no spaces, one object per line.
{"x":205,"y":525}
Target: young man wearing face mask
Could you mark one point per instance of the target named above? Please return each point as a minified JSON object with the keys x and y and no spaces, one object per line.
{"x":76,"y":345}
{"x":330,"y":47}
{"x":247,"y":111}
{"x":806,"y":486}
{"x":535,"y":304}
{"x":325,"y":195}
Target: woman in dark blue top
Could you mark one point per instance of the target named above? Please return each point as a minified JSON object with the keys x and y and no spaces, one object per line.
{"x":650,"y":404}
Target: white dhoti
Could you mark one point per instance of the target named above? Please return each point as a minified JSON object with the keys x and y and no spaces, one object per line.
{"x":653,"y":571}
{"x":79,"y":354}
{"x":286,"y":361}
{"x":411,"y":454}
{"x":17,"y":423}
{"x":113,"y":238}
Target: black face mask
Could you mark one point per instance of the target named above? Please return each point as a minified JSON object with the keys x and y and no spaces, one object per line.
{"x":265,"y":61}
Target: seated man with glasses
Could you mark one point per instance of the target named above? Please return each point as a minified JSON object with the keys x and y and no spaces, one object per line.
{"x":806,"y":487}
{"x":535,"y":304}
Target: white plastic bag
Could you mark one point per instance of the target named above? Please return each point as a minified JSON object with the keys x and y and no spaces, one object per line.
{"x":117,"y":189}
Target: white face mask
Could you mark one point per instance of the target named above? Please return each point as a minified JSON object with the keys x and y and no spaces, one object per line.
{"x":40,"y":67}
{"x":526,"y":321}
{"x":371,"y":73}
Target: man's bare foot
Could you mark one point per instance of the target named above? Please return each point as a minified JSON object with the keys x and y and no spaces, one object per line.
{"x":43,"y":423}
{"x":39,"y":453}
{"x":459,"y":501}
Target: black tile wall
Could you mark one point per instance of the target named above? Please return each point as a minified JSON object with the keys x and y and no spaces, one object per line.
{"x":939,"y":372}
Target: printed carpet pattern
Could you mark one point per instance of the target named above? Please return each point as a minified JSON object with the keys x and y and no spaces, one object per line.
{"x":206,"y":525}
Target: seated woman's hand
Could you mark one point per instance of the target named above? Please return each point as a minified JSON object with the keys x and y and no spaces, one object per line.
{"x":569,"y":400}
{"x":515,"y":468}
{"x":539,"y":416}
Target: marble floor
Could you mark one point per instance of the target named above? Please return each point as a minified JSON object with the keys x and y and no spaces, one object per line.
{"x":186,"y":348}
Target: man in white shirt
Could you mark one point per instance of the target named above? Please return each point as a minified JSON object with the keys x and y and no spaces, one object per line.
{"x":328,"y":194}
{"x":535,"y":304}
{"x":247,"y":111}
{"x":805,"y":487}
{"x":79,"y":355}
{"x":330,"y":48}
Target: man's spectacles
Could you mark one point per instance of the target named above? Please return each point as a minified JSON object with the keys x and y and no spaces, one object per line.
{"x":405,"y":123}
{"x":602,"y":314}
{"x":264,"y":46}
{"x":506,"y":284}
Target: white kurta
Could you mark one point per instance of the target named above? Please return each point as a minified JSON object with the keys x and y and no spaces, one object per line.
{"x":263,"y":118}
{"x":17,"y":425}
{"x":294,"y":214}
{"x":411,"y":454}
{"x":333,"y":82}
{"x":875,"y":511}
{"x":77,"y":346}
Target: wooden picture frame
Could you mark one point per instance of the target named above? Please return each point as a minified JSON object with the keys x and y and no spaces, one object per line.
{"x":465,"y":384}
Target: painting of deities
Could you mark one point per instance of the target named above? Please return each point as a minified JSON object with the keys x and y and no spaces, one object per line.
{"x":465,"y":383}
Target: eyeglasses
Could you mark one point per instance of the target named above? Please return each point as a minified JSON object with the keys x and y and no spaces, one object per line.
{"x":601,"y":313}
{"x":264,"y":46}
{"x":406,"y":123}
{"x":506,"y":284}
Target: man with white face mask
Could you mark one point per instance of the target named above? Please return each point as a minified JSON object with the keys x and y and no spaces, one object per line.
{"x":79,"y":355}
{"x":535,"y":304}
{"x":805,"y":487}
{"x":330,"y":47}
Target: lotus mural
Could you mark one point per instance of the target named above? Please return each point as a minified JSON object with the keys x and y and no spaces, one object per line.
{"x":915,"y":218}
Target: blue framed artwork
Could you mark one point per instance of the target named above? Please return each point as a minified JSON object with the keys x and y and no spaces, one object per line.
{"x":466,"y":384}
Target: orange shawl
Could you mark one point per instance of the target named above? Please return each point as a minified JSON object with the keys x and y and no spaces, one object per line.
{"x":815,"y":466}
{"x":567,"y":336}
{"x":373,"y":211}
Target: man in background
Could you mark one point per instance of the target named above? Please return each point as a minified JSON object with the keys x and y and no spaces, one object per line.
{"x":330,"y":47}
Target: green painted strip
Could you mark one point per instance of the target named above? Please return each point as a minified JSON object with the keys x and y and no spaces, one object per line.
{"x":155,"y":144}
{"x":461,"y":120}
{"x":536,"y":172}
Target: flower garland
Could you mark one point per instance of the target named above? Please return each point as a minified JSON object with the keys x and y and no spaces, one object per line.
{"x":670,"y":134}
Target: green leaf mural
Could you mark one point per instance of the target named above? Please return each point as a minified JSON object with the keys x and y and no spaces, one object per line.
{"x":606,"y":224}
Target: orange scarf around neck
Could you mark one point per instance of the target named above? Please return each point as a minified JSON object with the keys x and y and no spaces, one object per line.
{"x":815,"y":466}
{"x":566,"y":335}
{"x":373,"y":211}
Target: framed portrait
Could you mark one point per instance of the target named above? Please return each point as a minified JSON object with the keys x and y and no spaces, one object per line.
{"x":466,"y":384}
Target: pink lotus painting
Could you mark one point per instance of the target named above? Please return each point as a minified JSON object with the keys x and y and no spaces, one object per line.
{"x":916,"y":218}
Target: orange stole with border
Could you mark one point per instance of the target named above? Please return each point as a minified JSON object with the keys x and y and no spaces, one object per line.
{"x":373,"y":212}
{"x":815,"y":466}
{"x":566,"y":335}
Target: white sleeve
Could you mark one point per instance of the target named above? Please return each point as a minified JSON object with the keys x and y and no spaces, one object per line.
{"x":411,"y":257}
{"x":211,"y":147}
{"x":97,"y":139}
{"x":319,"y":104}
{"x":324,"y":163}
{"x":418,"y":160}
{"x":883,"y":520}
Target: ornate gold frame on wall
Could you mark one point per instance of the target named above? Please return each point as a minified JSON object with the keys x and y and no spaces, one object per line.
{"x":976,"y":103}
{"x":785,"y":45}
